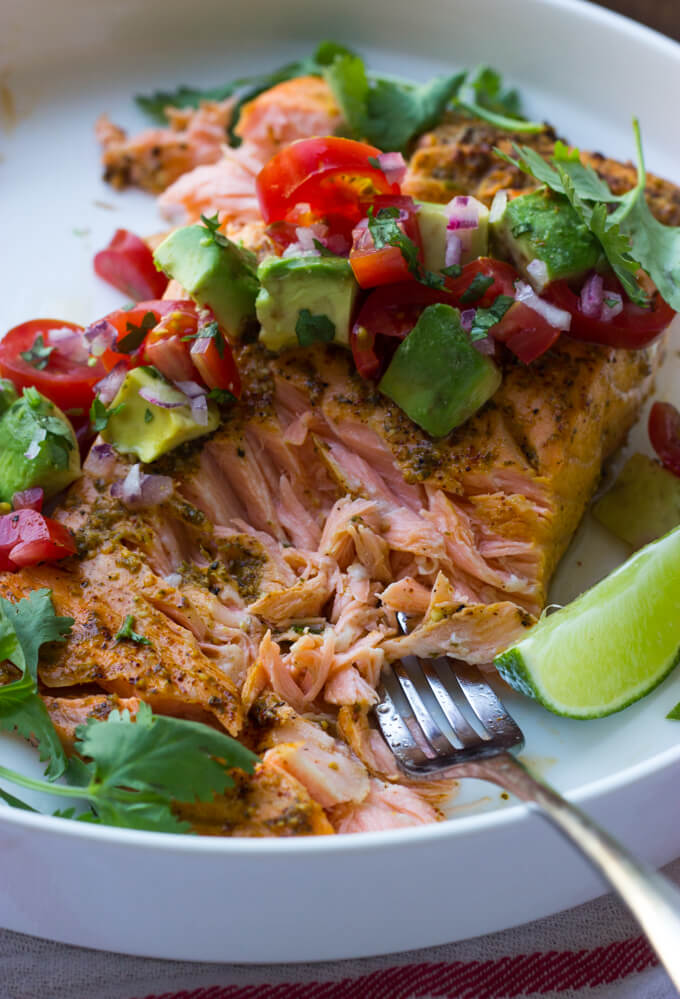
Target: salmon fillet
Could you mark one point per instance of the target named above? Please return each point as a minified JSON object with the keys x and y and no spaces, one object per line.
{"x":270,"y":580}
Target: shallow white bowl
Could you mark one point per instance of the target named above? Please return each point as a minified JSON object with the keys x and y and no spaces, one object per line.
{"x":495,"y":864}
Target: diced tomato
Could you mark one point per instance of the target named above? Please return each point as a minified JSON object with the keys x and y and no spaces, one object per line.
{"x":215,"y":363}
{"x":27,"y":537}
{"x":330,"y":174}
{"x":68,"y":384}
{"x":525,"y":332}
{"x":387,"y":316}
{"x":132,"y":325}
{"x":375,"y":266}
{"x":282,"y":234}
{"x":167,"y":348}
{"x":28,"y":499}
{"x":633,"y":328}
{"x":664,"y":433}
{"x":127,"y":264}
{"x":504,"y":277}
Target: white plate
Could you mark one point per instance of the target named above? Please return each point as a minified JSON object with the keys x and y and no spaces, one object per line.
{"x":495,"y":864}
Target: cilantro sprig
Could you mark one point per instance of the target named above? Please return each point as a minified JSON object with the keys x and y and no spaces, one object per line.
{"x":25,"y":627}
{"x":129,"y":772}
{"x":485,"y":319}
{"x":630,"y":236}
{"x":126,"y":631}
{"x":387,"y":112}
{"x":52,"y":437}
{"x":385,"y":231}
{"x":100,"y":414}
{"x":135,"y":334}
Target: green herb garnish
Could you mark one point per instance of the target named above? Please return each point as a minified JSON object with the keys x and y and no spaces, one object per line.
{"x":477,"y":287}
{"x":38,"y":355}
{"x":486,"y":318}
{"x":135,"y":335}
{"x":126,"y":632}
{"x":100,"y":415}
{"x":385,"y":231}
{"x":311,"y":329}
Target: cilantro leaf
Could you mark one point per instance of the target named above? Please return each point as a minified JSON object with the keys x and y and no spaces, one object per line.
{"x":211,"y":331}
{"x":222,"y":397}
{"x":138,"y":768}
{"x":483,"y":95}
{"x":51,"y":433}
{"x":16,"y":802}
{"x":385,"y":112}
{"x":486,"y":318}
{"x":126,"y":631}
{"x":674,"y":713}
{"x":24,"y":627}
{"x":385,"y":231}
{"x":311,"y":329}
{"x":38,"y":355}
{"x":135,"y":335}
{"x":474,"y":291}
{"x":323,"y":250}
{"x":100,"y":415}
{"x":453,"y":270}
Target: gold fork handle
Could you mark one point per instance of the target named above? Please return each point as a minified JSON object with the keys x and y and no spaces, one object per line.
{"x":652,"y":898}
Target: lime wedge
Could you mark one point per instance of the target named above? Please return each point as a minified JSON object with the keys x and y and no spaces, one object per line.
{"x":611,"y":645}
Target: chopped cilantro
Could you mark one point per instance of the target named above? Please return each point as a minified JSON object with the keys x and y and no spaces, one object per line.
{"x":474,"y":291}
{"x":51,"y":432}
{"x":25,"y":627}
{"x":385,"y":231}
{"x":100,"y":415}
{"x":135,"y":335}
{"x":453,"y":270}
{"x":486,"y":318}
{"x":148,"y":416}
{"x":211,"y":331}
{"x":311,"y":329}
{"x":323,"y":250}
{"x":223,"y":397}
{"x":38,"y":355}
{"x":126,"y":632}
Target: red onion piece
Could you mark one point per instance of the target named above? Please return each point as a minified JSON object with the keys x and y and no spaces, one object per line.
{"x":107,"y":388}
{"x":467,"y":318}
{"x":485,"y":345}
{"x":101,"y":336}
{"x":173,"y":579}
{"x":138,"y":490}
{"x":199,"y":410}
{"x":191,"y":389}
{"x":70,"y":344}
{"x":612,"y":305}
{"x":454,"y":249}
{"x":557,"y":318}
{"x":393,"y":165}
{"x":538,"y":272}
{"x":28,"y":499}
{"x":463,"y":213}
{"x":101,"y":460}
{"x":150,"y":394}
{"x":590,"y":302}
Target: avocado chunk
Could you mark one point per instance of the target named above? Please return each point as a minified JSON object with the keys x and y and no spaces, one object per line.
{"x":433,"y":221}
{"x":303,"y":299}
{"x":542,"y":226}
{"x":215,"y":272}
{"x":643,"y":504}
{"x":436,"y":376}
{"x":37,"y":447}
{"x":8,"y":394}
{"x":150,"y":429}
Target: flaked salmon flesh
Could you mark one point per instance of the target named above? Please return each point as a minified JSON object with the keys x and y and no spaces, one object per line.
{"x":269,"y":582}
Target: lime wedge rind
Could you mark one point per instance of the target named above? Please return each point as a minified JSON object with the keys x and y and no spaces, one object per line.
{"x":611,"y":646}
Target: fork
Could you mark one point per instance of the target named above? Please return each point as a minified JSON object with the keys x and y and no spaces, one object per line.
{"x":421,"y":715}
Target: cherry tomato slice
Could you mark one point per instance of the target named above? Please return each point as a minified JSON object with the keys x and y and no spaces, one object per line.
{"x":127,"y":264}
{"x":504,"y":277}
{"x":215,"y":364}
{"x":67,"y":384}
{"x":27,"y":537}
{"x":374,"y":266}
{"x":328,"y":173}
{"x":142,"y":318}
{"x":635,"y":327}
{"x":525,"y":332}
{"x":28,"y":499}
{"x":664,"y":433}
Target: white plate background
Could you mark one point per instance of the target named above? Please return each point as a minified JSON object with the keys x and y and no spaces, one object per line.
{"x":495,"y":864}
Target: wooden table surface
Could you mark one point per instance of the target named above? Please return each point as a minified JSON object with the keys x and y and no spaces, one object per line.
{"x":664,"y":15}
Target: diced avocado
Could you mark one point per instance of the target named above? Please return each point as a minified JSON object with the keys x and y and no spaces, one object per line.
{"x":643,"y":504}
{"x":132,"y":431}
{"x":433,"y":221}
{"x":215,"y":272}
{"x":37,"y":447}
{"x":8,"y":394}
{"x":542,"y":226}
{"x":436,"y":375}
{"x":322,"y":289}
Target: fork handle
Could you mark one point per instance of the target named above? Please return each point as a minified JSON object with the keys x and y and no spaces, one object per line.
{"x":652,"y":898}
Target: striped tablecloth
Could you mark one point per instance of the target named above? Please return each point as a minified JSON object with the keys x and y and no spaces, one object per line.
{"x":592,"y":952}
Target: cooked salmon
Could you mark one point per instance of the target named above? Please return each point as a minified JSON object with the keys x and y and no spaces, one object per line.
{"x":269,"y":581}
